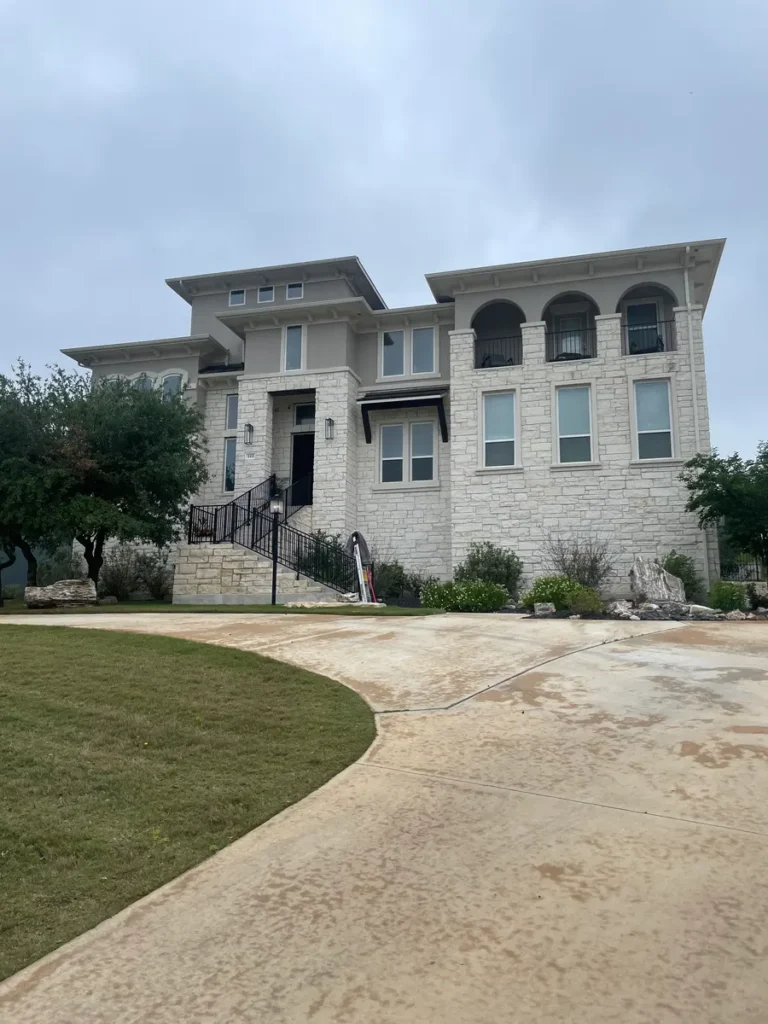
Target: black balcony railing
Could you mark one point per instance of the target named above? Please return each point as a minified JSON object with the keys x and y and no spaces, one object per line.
{"x":641,"y":339}
{"x":580,"y":343}
{"x":491,"y":352}
{"x":217,"y":523}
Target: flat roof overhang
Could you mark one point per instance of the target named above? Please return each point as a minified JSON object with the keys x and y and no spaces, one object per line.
{"x":376,"y":401}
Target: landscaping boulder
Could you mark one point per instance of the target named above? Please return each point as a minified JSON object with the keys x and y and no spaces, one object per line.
{"x":61,"y":594}
{"x":651,"y":582}
{"x":619,"y":609}
{"x":542,"y":609}
{"x":704,"y":614}
{"x":736,"y":616}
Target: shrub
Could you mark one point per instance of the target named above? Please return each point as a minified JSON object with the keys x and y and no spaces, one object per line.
{"x":588,"y":562}
{"x":119,"y":575}
{"x":756,"y":600}
{"x":684,"y":568}
{"x":61,"y":564}
{"x":465,"y":596}
{"x":394,"y":585}
{"x":13,"y":591}
{"x":584,"y":601}
{"x":492,"y":564}
{"x":153,"y":574}
{"x":552,"y":589}
{"x":728,"y":597}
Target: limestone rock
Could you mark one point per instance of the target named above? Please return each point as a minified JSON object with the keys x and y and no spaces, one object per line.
{"x":634,"y":618}
{"x":349,"y":598}
{"x":736,"y":616}
{"x":61,"y":594}
{"x":542,"y":609}
{"x":650,"y":582}
{"x":704,"y":614}
{"x":675,"y":610}
{"x":619,"y":609}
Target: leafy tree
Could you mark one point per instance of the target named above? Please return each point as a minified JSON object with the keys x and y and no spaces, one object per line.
{"x":733,"y":491}
{"x":94,"y":462}
{"x":7,"y":558}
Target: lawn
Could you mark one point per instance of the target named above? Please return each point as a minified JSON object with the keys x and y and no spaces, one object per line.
{"x":128,"y":759}
{"x":19,"y":608}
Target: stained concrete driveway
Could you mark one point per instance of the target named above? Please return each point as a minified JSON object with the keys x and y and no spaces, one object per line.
{"x":558,"y":822}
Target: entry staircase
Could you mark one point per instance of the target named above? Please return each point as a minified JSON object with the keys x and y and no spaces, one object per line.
{"x":246,"y":521}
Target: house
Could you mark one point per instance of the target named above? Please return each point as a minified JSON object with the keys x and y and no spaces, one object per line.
{"x":555,"y":398}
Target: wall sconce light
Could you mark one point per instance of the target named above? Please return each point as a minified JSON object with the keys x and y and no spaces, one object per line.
{"x":329,"y":425}
{"x":248,"y":433}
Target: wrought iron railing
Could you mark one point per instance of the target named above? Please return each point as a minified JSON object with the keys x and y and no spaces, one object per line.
{"x":214,"y":524}
{"x":490,"y":352}
{"x":744,"y":569}
{"x":578,"y":343}
{"x":305,"y":553}
{"x":642,"y":339}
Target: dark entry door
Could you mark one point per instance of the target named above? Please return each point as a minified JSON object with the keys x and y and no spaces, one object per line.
{"x":302,"y":467}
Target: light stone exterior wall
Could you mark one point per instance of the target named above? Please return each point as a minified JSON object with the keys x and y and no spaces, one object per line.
{"x":639,"y":508}
{"x":221,"y":571}
{"x":408,"y":522}
{"x":215,"y":399}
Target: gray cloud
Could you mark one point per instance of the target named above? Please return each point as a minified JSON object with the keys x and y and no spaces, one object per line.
{"x":143,"y":140}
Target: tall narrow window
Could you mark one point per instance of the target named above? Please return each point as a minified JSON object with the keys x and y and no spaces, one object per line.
{"x":237,"y":297}
{"x":423,"y":350}
{"x":422,"y":451}
{"x":266,"y":293}
{"x":293,"y":347}
{"x":654,"y":420}
{"x":499,"y":428}
{"x":391,"y":454}
{"x":295,"y":290}
{"x":393,"y":354}
{"x":230,"y":421}
{"x":230,"y":451}
{"x":143,"y":382}
{"x":172,"y":384}
{"x":574,"y":429}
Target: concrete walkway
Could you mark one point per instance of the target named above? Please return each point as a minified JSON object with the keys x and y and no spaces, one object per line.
{"x":558,"y":822}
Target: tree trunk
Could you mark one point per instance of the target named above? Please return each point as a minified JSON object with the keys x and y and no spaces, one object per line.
{"x":26,"y":550}
{"x":10,"y":559}
{"x":93,"y":552}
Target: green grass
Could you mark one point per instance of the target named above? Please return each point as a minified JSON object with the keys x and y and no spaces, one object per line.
{"x":19,"y":608}
{"x":128,"y":759}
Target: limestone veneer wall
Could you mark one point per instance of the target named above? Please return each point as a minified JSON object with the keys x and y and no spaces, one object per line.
{"x":231,"y":574}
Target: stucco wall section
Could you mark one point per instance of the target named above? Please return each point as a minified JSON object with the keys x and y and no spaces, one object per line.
{"x":637,"y":508}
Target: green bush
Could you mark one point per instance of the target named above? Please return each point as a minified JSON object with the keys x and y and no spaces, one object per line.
{"x":61,"y":564}
{"x":13,"y":591}
{"x":728,"y":597}
{"x":756,"y":600}
{"x":465,"y":596}
{"x":393,"y":584}
{"x":684,"y":568}
{"x":584,"y":601}
{"x":552,"y":589}
{"x":587,"y":561}
{"x":153,"y":574}
{"x":119,"y":574}
{"x":492,"y":564}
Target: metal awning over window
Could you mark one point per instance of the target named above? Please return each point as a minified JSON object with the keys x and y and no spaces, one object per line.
{"x":375,"y":401}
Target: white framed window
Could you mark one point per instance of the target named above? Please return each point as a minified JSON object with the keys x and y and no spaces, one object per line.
{"x":574,"y":423}
{"x":295,"y":290}
{"x":293,"y":347}
{"x":305,"y":415}
{"x":173,"y":384}
{"x":408,"y":353}
{"x":653,"y":419}
{"x":143,"y":382}
{"x":499,"y":429}
{"x":237,"y":297}
{"x":230,"y":415}
{"x":230,"y":456}
{"x":391,"y":441}
{"x":422,"y":451}
{"x":266,"y":293}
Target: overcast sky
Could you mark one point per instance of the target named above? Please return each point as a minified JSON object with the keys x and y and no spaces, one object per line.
{"x":153,"y":138}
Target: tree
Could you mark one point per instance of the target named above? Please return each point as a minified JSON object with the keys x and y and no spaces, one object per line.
{"x":95,"y":462}
{"x":732,"y":491}
{"x":9,"y":551}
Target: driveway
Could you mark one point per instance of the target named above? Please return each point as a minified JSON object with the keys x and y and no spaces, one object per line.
{"x":558,"y":822}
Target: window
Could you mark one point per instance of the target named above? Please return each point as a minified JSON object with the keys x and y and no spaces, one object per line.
{"x":574,"y":432}
{"x":295,"y":290}
{"x":143,"y":382}
{"x":423,"y":350}
{"x":230,"y":450}
{"x":172,"y":385}
{"x":499,"y":428}
{"x":644,"y":328}
{"x":230,"y":418}
{"x":305,"y":415}
{"x":654,"y":420}
{"x":237,"y":297}
{"x":294,"y":345}
{"x":266,"y":293}
{"x":422,"y":451}
{"x":391,"y":454}
{"x":393,"y":354}
{"x":414,"y":349}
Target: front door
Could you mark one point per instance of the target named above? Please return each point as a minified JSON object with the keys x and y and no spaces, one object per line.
{"x":302,"y":467}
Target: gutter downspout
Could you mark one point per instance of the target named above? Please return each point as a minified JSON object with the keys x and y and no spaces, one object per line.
{"x":692,"y":355}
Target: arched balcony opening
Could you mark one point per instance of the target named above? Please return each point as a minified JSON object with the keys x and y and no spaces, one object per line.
{"x":647,"y":320}
{"x":498,"y":335}
{"x":570,"y":320}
